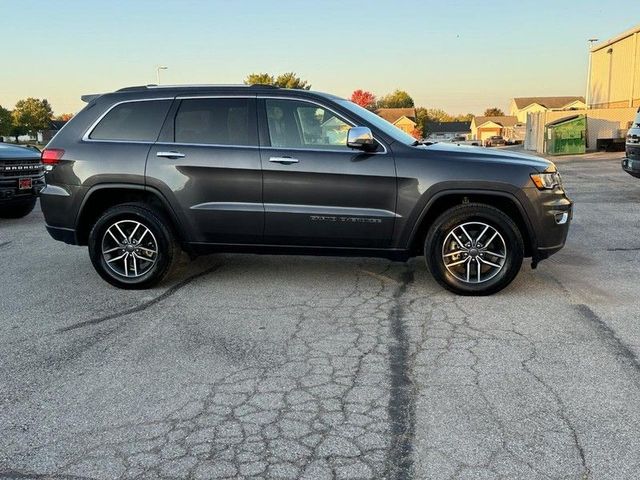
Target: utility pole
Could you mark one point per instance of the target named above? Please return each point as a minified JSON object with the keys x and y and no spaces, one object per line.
{"x":161,"y":67}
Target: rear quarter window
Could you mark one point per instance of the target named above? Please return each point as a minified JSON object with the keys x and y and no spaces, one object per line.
{"x":132,"y":121}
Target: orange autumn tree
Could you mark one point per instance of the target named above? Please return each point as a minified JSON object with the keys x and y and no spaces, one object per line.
{"x":364,"y":98}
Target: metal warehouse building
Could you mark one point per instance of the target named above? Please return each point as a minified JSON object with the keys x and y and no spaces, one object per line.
{"x":613,"y":97}
{"x":614,"y":72}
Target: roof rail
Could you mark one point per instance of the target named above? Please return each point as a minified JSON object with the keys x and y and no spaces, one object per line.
{"x":196,"y":85}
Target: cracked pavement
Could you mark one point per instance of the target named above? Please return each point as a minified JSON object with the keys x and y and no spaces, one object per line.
{"x":246,"y":366}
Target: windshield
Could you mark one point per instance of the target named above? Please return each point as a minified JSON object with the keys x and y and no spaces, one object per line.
{"x":379,"y":122}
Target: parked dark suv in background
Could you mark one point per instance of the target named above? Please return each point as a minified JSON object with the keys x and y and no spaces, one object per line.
{"x":143,"y":172}
{"x":631,"y":162}
{"x":21,"y":179}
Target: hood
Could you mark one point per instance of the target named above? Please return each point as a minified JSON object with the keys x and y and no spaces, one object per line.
{"x":492,"y":155}
{"x":15,"y":152}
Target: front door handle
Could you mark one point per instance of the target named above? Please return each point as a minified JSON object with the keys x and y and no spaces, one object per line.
{"x":283,"y":160}
{"x":170,"y":154}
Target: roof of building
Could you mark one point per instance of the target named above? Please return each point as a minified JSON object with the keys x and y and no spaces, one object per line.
{"x":505,"y":121}
{"x":617,"y":38}
{"x":394,"y":114}
{"x":560,"y":121}
{"x":549,"y":102}
{"x":448,"y":127}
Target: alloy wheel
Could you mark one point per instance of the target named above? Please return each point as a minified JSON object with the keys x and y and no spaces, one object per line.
{"x":474,"y":252}
{"x":129,"y":248}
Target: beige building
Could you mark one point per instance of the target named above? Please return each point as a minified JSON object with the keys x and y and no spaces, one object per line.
{"x":614,"y":72}
{"x":403,"y":118}
{"x":521,"y":106}
{"x":484,"y":127}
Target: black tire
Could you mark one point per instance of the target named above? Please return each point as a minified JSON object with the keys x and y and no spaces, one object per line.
{"x":474,"y":215}
{"x":18,"y":209}
{"x":166,"y":246}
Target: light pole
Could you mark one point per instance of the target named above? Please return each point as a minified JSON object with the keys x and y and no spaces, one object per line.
{"x":586,"y":97}
{"x":161,"y":67}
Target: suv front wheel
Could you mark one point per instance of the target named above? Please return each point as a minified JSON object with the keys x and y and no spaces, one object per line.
{"x":132,"y":247}
{"x":474,"y":249}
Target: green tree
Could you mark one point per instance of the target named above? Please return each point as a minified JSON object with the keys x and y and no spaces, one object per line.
{"x":466,"y":117}
{"x":259,"y":79}
{"x":291,"y":80}
{"x":17,"y":131}
{"x":31,"y":115}
{"x":493,"y":112}
{"x":285,"y":80}
{"x":433,"y":115}
{"x":397,"y":99}
{"x":5,"y":122}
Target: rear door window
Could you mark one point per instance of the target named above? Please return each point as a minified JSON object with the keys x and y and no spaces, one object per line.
{"x":132,"y":121}
{"x":216,"y":121}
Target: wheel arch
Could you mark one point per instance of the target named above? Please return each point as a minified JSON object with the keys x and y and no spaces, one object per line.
{"x":446,"y":199}
{"x":103,"y":196}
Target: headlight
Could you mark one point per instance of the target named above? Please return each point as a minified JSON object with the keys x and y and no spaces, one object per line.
{"x":547,"y":181}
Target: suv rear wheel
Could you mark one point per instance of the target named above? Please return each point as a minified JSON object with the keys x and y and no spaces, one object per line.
{"x":474,"y":249}
{"x":132,"y":247}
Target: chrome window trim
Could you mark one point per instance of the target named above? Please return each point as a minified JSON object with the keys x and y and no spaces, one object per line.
{"x":352,"y":151}
{"x":218,"y":145}
{"x":339,"y":115}
{"x":87,"y":134}
{"x":208,"y":95}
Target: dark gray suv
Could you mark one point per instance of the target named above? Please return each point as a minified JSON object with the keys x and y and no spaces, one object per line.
{"x":141,"y":173}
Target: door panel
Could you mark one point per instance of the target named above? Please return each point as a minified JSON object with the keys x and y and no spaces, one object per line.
{"x":319,"y":192}
{"x":212,"y":170}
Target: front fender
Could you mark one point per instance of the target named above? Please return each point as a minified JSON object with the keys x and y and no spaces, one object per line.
{"x":444,"y":195}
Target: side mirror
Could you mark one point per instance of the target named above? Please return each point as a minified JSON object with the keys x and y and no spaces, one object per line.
{"x":361,"y":138}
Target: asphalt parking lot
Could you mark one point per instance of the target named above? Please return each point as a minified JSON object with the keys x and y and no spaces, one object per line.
{"x":304,"y":367}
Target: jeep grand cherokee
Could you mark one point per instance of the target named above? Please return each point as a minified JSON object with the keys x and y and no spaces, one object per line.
{"x":143,"y":172}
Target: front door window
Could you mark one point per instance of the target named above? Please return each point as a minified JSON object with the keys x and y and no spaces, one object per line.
{"x":297,"y":124}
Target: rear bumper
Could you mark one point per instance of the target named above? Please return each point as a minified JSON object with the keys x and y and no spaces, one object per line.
{"x":66,"y":235}
{"x":631,"y":166}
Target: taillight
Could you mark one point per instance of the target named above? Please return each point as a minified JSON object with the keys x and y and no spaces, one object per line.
{"x":51,"y":156}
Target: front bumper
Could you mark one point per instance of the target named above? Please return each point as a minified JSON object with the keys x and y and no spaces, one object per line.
{"x":553,"y":213}
{"x":631,"y":166}
{"x":10,"y":192}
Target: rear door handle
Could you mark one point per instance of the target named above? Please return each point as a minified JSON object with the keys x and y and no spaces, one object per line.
{"x":170,"y":154}
{"x":284,"y":160}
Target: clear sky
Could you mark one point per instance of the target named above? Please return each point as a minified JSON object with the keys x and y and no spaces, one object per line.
{"x":459,"y":55}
